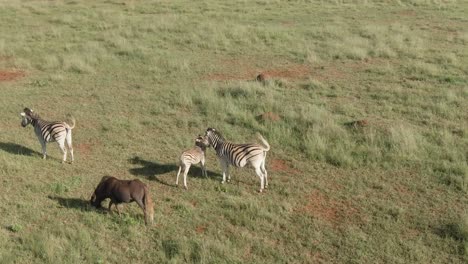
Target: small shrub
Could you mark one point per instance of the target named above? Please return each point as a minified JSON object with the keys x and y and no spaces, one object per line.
{"x":59,"y":188}
{"x":15,"y":228}
{"x":171,"y":248}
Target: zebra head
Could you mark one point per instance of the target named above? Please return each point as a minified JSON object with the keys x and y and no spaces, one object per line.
{"x":26,"y":117}
{"x":214,"y":137}
{"x":202,"y":142}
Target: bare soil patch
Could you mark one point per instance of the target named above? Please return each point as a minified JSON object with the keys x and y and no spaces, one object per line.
{"x":85,"y":149}
{"x":279,"y":165}
{"x":245,"y":69}
{"x":357,"y":124}
{"x":200,"y":229}
{"x":10,"y":75}
{"x":345,"y":70}
{"x":268,"y":116}
{"x":335,"y":212}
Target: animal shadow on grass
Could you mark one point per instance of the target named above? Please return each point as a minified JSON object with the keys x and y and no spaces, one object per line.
{"x":74,"y":203}
{"x":16,"y":149}
{"x":151,"y":170}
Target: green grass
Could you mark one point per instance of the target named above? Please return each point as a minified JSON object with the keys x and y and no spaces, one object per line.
{"x":143,"y":78}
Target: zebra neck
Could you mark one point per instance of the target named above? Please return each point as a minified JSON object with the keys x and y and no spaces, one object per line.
{"x":34,"y":121}
{"x":218,"y":146}
{"x":202,"y":149}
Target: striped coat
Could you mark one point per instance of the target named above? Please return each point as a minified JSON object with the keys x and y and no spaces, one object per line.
{"x":47,"y":131}
{"x":239,"y":155}
{"x":194,"y":155}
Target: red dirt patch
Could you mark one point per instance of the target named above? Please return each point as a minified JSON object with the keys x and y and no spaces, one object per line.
{"x":345,"y":70}
{"x":298,"y":71}
{"x":10,"y":75}
{"x":85,"y":149}
{"x":295,"y":71}
{"x":263,"y":77}
{"x":280,"y":165}
{"x":336,"y":212}
{"x":200,"y":229}
{"x":270,"y":116}
{"x":358,"y":124}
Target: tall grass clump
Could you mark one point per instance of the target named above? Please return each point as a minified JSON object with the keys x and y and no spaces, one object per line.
{"x":76,"y":63}
{"x":457,"y":230}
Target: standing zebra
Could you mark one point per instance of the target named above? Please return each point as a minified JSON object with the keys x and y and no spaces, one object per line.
{"x":49,"y":132}
{"x":194,"y":155}
{"x":240,"y":155}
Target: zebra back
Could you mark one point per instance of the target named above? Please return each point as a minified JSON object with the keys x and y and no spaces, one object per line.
{"x":236,"y":154}
{"x":195,"y":154}
{"x":51,"y":131}
{"x":48,"y":131}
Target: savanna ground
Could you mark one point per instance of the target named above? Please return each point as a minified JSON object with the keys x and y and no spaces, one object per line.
{"x":143,"y":78}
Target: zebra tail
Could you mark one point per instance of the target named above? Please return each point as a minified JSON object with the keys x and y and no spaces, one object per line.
{"x":264,"y":142}
{"x":72,"y":119}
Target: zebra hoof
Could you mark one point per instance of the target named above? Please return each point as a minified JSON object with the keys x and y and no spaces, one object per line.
{"x":222,"y":182}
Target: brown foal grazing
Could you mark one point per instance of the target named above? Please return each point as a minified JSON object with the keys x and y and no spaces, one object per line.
{"x":124,"y":191}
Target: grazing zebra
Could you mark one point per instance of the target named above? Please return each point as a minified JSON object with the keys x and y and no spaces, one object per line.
{"x":240,"y":155}
{"x":194,"y":155}
{"x":49,"y":132}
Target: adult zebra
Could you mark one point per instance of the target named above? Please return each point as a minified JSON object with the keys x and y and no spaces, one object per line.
{"x":49,"y":132}
{"x":240,"y":155}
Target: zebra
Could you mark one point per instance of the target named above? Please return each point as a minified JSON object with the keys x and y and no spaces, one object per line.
{"x":240,"y":155}
{"x":194,"y":155}
{"x":49,"y":132}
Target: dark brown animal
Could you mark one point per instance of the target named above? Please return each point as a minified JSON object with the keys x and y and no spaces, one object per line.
{"x":124,"y":191}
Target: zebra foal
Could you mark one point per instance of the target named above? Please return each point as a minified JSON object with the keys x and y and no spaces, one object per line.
{"x":47,"y":131}
{"x":194,"y":155}
{"x":240,"y":155}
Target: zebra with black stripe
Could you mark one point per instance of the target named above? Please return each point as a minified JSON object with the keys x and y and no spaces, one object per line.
{"x":47,"y":131}
{"x":240,"y":155}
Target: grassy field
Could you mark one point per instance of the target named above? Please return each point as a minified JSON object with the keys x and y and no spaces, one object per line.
{"x":143,"y":78}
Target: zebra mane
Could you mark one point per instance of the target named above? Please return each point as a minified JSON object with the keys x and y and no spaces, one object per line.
{"x":31,"y":113}
{"x":216,"y":132}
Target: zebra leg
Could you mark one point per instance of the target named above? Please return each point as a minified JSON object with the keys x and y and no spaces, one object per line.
{"x":44,"y":152}
{"x":203,"y":168}
{"x":185,"y":175}
{"x":258,"y":170}
{"x":63,"y":149}
{"x":225,"y":167}
{"x":178,"y":173}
